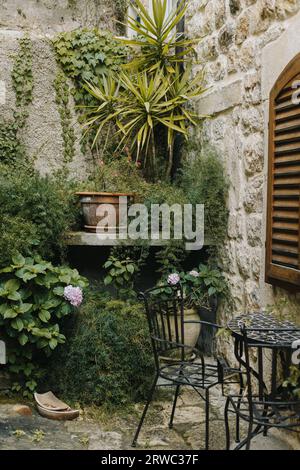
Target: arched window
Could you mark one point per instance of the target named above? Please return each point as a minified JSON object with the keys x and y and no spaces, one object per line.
{"x":283,"y":214}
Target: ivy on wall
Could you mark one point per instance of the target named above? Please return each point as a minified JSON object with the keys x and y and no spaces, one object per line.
{"x":12,"y":150}
{"x":84,"y":55}
{"x":62,"y":100}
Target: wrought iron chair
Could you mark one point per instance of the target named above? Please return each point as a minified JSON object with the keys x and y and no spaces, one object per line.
{"x":262,"y":407}
{"x":166,"y":321}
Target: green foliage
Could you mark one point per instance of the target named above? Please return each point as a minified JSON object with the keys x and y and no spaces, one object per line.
{"x":31,"y":307}
{"x":22,"y":79}
{"x":157,"y":36}
{"x":123,"y":266}
{"x":62,"y":100}
{"x":292,"y":383}
{"x":204,"y":182}
{"x":12,"y":151}
{"x":137,"y":105}
{"x":199,"y":286}
{"x":85,"y":55}
{"x":40,"y":208}
{"x":152,"y":92}
{"x":108,"y":358}
{"x":170,"y":258}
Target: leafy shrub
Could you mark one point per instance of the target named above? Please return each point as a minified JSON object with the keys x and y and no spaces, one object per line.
{"x":204,"y":182}
{"x":108,"y":358}
{"x":123,"y":267}
{"x":34,"y":209}
{"x":32,"y":305}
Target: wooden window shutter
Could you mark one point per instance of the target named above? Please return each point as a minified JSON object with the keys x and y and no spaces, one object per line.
{"x":283,"y":212}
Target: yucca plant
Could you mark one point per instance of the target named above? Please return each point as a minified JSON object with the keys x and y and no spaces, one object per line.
{"x":157,"y":38}
{"x":107,"y":94}
{"x":152,"y":91}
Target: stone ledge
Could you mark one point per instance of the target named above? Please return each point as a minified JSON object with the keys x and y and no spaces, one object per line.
{"x":221,"y":98}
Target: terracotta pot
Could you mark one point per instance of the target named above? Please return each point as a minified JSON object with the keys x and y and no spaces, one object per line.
{"x":90,"y":201}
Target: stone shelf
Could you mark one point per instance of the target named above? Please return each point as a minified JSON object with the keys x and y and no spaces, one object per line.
{"x":91,"y":239}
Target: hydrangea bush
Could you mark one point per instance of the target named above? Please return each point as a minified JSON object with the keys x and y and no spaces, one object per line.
{"x":34,"y":298}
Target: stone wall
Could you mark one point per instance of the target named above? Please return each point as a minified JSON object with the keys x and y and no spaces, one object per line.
{"x":41,"y":20}
{"x":245,"y":46}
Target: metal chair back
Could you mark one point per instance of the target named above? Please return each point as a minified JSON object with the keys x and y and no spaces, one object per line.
{"x":165,"y":314}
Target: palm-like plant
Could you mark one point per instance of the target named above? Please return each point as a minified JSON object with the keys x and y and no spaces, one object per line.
{"x":107,"y":93}
{"x":157,"y":37}
{"x":152,"y":91}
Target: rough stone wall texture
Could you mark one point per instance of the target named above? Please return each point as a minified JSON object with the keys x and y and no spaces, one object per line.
{"x":236,"y":36}
{"x":41,"y":20}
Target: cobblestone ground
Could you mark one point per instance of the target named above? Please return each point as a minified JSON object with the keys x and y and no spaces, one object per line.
{"x":96,"y":431}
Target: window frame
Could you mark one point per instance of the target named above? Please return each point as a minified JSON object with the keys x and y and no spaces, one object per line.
{"x":276,"y":274}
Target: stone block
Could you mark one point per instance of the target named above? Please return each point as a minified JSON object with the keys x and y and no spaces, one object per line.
{"x":253,"y":198}
{"x":226,"y":37}
{"x":253,"y":152}
{"x":22,"y":410}
{"x":242,"y":28}
{"x":221,"y":98}
{"x":254,"y":230}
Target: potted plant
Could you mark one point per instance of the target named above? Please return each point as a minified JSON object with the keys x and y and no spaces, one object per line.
{"x":202,"y":289}
{"x":90,"y":203}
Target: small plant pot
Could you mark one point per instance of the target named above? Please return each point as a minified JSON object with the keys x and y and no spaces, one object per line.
{"x":191,"y":333}
{"x":91,"y":201}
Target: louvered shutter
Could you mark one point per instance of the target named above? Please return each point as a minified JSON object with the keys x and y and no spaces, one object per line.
{"x":283,"y":240}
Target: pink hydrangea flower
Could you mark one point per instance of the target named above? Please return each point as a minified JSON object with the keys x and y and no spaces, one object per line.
{"x":194,"y":273}
{"x":73,"y":295}
{"x":173,"y":279}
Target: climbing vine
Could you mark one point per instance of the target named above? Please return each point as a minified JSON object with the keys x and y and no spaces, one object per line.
{"x":62,"y":100}
{"x":12,"y":150}
{"x":84,"y":55}
{"x":22,"y":80}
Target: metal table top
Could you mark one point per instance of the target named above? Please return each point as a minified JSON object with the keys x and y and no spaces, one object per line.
{"x":264,"y":328}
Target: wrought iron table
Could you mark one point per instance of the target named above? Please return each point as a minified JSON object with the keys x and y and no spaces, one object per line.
{"x":278,"y":337}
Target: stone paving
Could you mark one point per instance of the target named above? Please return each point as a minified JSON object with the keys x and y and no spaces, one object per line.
{"x":91,"y":432}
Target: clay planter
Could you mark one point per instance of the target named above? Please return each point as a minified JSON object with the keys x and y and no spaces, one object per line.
{"x":90,"y":201}
{"x":191,"y":331}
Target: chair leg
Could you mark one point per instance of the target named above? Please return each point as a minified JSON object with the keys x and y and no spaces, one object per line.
{"x":249,"y":436}
{"x":207,"y":419}
{"x":237,"y":429}
{"x":144,"y":413}
{"x":174,"y":406}
{"x":226,"y":419}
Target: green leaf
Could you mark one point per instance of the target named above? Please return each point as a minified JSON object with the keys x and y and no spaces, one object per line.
{"x":12,"y":285}
{"x":23,"y":339}
{"x":130,"y":268}
{"x":24,"y":307}
{"x":107,"y":280}
{"x":10,"y":313}
{"x":16,"y":296}
{"x":44,"y":316}
{"x":18,"y":260}
{"x":53,"y":343}
{"x":58,"y":291}
{"x":17,"y":324}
